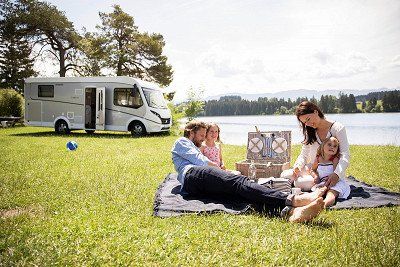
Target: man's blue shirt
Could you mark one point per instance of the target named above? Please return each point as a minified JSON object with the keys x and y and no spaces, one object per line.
{"x":186,"y":155}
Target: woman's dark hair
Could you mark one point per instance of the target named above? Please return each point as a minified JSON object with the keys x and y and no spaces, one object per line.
{"x":193,"y":126}
{"x":307,"y":107}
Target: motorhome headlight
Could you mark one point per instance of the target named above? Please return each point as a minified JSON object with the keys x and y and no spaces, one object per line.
{"x":155,"y":113}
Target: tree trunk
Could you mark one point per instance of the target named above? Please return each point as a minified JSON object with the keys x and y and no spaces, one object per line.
{"x":119,"y":67}
{"x":62,"y":62}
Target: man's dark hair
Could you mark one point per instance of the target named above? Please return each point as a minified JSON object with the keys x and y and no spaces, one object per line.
{"x":193,"y":126}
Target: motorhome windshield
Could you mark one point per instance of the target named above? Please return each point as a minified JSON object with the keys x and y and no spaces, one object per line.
{"x":154,"y":98}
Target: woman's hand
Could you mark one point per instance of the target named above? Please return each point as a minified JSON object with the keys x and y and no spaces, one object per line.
{"x":332,"y":180}
{"x":315,"y":176}
{"x":296,"y":173}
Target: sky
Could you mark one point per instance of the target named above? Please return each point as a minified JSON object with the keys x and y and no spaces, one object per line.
{"x":262,"y":46}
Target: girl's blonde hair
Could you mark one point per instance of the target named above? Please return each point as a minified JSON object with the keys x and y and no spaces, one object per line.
{"x":212,"y":124}
{"x":320,"y":151}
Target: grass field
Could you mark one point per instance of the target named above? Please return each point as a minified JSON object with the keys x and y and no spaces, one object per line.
{"x":94,"y":206}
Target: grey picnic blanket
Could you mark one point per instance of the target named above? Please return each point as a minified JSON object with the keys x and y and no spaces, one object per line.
{"x":170,"y":202}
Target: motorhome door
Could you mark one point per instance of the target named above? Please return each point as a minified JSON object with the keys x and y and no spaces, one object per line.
{"x":100,"y":108}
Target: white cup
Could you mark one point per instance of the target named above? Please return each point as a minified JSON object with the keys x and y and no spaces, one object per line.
{"x":296,"y":191}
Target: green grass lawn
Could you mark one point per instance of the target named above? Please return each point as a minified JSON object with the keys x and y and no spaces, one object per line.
{"x":94,"y":206}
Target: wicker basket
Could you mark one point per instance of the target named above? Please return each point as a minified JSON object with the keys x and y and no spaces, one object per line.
{"x":264,"y":168}
{"x":270,"y":151}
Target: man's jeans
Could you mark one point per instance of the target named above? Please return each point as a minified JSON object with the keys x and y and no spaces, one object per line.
{"x":215,"y":183}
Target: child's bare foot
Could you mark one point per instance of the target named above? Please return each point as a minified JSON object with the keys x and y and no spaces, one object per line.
{"x":308,"y":212}
{"x":307,"y":198}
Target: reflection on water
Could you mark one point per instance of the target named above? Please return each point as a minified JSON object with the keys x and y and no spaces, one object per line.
{"x":362,"y":128}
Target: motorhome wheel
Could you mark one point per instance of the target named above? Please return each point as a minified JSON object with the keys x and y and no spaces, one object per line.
{"x":62,"y":127}
{"x":138,"y":129}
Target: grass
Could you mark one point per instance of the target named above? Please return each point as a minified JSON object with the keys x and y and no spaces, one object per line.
{"x":94,"y":206}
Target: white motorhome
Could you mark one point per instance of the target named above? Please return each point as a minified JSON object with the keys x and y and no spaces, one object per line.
{"x":96,"y":103}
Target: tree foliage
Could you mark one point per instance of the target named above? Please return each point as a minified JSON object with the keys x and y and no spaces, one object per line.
{"x":11,"y":103}
{"x":391,"y":101}
{"x":92,"y":54}
{"x":194,"y":106}
{"x":16,"y":62}
{"x":50,"y":28}
{"x":130,"y":52}
{"x":234,"y":105}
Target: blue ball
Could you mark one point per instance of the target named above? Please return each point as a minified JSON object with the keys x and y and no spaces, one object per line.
{"x":72,"y":145}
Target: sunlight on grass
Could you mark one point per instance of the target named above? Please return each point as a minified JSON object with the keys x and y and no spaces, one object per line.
{"x":93,"y":206}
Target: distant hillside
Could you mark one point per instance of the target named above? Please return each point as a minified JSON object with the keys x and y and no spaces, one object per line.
{"x":369,"y":96}
{"x":294,"y":94}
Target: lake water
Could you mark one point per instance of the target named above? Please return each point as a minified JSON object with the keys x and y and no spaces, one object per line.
{"x":362,"y":128}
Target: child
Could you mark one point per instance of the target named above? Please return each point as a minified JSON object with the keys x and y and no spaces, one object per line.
{"x":325,"y":163}
{"x":211,"y":147}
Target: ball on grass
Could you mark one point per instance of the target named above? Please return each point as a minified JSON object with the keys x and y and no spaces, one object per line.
{"x":72,"y":145}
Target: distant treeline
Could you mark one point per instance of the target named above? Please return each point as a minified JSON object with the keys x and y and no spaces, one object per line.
{"x":388,"y":101}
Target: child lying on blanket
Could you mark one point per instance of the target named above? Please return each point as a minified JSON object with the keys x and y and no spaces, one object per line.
{"x":324,"y":165}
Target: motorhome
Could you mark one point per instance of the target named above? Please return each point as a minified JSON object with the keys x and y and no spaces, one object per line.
{"x":96,"y":103}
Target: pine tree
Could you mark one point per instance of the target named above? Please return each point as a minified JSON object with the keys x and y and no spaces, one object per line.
{"x":16,"y":63}
{"x":49,"y":27}
{"x":133,"y":53}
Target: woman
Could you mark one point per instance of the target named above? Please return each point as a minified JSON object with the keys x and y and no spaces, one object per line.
{"x":316,"y":129}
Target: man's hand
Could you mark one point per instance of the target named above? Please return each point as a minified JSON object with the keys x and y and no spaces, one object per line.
{"x":332,"y":180}
{"x":213,"y":164}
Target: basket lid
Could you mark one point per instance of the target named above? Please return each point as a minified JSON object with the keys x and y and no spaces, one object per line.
{"x":274,"y":146}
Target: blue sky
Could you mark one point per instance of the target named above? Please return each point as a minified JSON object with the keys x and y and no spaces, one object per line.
{"x":257,"y":46}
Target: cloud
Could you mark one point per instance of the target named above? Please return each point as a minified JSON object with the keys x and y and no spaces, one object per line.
{"x":396,"y":61}
{"x":232,"y":64}
{"x":328,"y":65}
{"x":222,"y":67}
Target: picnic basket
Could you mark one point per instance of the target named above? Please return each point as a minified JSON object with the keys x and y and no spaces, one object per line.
{"x":271,"y":152}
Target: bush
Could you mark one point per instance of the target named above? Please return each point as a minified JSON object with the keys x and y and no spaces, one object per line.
{"x":11,"y":103}
{"x":176,"y":114}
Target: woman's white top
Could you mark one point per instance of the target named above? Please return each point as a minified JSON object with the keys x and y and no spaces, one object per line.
{"x":309,"y":152}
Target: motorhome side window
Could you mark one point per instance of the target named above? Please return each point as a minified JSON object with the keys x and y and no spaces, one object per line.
{"x":127,"y":97}
{"x":45,"y":90}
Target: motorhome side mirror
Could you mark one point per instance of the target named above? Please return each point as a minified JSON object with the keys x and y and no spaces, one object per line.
{"x":135,"y":89}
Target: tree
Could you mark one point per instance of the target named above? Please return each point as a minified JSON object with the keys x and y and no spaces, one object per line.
{"x":51,"y":29}
{"x":16,"y":63}
{"x":194,"y":105}
{"x":133,"y":53}
{"x":352,"y":105}
{"x":391,"y":101}
{"x":92,"y":53}
{"x":347,"y":104}
{"x":363,"y":105}
{"x":371,"y":105}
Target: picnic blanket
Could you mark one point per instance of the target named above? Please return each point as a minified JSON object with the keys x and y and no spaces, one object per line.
{"x":169,"y":201}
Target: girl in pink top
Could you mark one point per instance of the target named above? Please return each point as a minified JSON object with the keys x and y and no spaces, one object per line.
{"x":211,"y":147}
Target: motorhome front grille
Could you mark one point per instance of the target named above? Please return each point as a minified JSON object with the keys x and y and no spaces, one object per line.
{"x":165,"y":121}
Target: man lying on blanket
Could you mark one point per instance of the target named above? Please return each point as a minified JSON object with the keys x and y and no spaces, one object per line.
{"x":201,"y":177}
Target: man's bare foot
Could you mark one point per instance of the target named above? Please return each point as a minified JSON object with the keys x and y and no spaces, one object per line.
{"x":307,"y":198}
{"x":308,"y":212}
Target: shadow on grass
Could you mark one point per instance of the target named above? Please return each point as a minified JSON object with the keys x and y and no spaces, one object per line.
{"x":320,"y":223}
{"x":94,"y":135}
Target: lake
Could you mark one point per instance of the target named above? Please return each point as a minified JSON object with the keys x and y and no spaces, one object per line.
{"x":362,"y":128}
